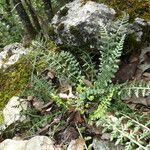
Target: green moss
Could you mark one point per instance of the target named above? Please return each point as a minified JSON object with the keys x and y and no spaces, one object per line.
{"x":13,"y":80}
{"x":1,"y":117}
{"x":135,"y":8}
{"x":51,"y":45}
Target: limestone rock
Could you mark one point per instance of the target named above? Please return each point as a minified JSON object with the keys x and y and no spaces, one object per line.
{"x":144,"y":66}
{"x":35,"y":143}
{"x":105,"y":145}
{"x":77,"y":23}
{"x":138,"y":27}
{"x":40,"y":143}
{"x":13,"y":145}
{"x":145,"y":59}
{"x":11,"y":54}
{"x":12,"y":110}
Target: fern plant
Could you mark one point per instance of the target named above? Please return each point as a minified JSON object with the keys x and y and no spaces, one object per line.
{"x":138,"y":89}
{"x":65,"y":65}
{"x":68,"y":70}
{"x":126,"y":130}
{"x":110,"y":46}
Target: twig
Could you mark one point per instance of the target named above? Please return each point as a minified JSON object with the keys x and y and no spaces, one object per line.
{"x":81,"y":136}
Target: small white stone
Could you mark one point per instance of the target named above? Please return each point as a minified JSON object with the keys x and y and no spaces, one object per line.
{"x":12,"y":110}
{"x":9,"y":144}
{"x":11,"y":54}
{"x":35,"y":143}
{"x":40,"y":143}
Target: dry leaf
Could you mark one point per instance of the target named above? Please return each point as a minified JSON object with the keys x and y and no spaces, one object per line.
{"x":77,"y":144}
{"x":75,"y":117}
{"x":141,"y":100}
{"x":126,"y":72}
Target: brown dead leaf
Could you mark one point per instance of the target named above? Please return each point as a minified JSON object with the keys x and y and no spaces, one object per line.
{"x":77,"y":144}
{"x":69,"y":134}
{"x":141,"y":100}
{"x":37,"y":104}
{"x":146,"y":76}
{"x":75,"y":117}
{"x":147,"y":57}
{"x":126,"y":72}
{"x":45,"y":129}
{"x":93,"y":129}
{"x":134,"y":57}
{"x":132,"y":106}
{"x":51,"y":74}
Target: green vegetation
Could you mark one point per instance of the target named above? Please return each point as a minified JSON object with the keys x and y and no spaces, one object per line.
{"x":10,"y":29}
{"x":68,"y":81}
{"x":99,"y":91}
{"x":13,"y":80}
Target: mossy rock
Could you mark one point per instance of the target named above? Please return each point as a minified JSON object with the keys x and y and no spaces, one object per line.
{"x":13,"y":80}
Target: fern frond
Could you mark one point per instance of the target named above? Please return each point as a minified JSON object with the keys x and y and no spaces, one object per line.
{"x":109,"y":63}
{"x":139,"y":89}
{"x":102,"y":107}
{"x":65,"y":65}
{"x":120,"y":125}
{"x":110,"y":49}
{"x":88,"y":66}
{"x":40,"y":88}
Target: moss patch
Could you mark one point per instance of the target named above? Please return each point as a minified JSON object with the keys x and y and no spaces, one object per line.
{"x":135,"y":8}
{"x":13,"y":80}
{"x":1,"y":117}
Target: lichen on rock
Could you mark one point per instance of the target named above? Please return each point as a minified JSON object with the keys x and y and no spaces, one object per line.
{"x":82,"y":28}
{"x":78,"y":26}
{"x":11,"y":54}
{"x":12,"y":111}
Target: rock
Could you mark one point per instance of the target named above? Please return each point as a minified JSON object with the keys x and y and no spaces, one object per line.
{"x":105,"y":145}
{"x":13,"y":145}
{"x":12,"y":110}
{"x":137,"y":28}
{"x":77,"y":23}
{"x":35,"y":143}
{"x":145,"y":59}
{"x":11,"y":54}
{"x":40,"y":143}
{"x":15,"y":71}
